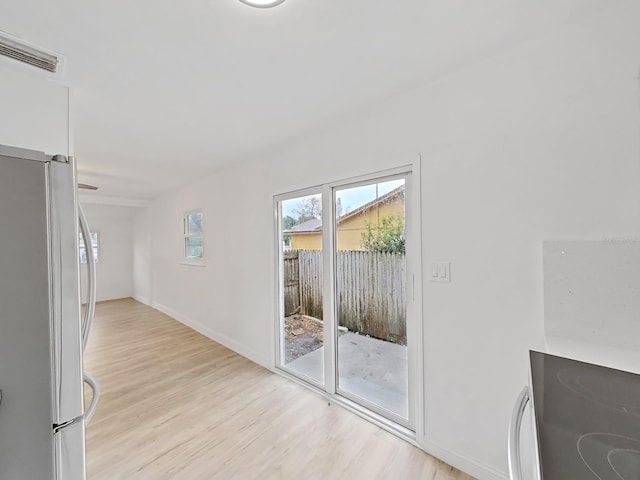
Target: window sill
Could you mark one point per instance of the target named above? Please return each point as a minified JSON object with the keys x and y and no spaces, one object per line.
{"x":187,"y":263}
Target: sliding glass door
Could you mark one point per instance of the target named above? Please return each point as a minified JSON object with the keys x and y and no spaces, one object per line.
{"x":343,"y":317}
{"x":370,"y":278}
{"x":301,"y":318}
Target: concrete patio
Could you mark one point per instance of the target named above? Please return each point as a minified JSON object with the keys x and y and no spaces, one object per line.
{"x":369,"y":368}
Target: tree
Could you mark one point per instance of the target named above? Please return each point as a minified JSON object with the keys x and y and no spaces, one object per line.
{"x":308,"y":208}
{"x":387,"y":236}
{"x":287,"y":222}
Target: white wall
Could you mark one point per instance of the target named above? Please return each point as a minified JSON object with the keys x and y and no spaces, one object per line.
{"x":539,"y":142}
{"x":34,"y":110}
{"x":114,"y":270}
{"x":142,"y":279}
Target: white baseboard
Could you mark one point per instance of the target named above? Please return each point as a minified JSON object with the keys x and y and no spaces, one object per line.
{"x":141,"y":299}
{"x":108,"y":298}
{"x":467,"y":464}
{"x":210,"y":333}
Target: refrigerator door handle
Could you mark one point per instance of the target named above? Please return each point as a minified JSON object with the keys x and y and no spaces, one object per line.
{"x":513,"y":445}
{"x":89,"y":312}
{"x":95,"y":387}
{"x":91,"y":277}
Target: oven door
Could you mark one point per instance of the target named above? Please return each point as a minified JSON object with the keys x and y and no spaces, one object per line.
{"x":522,"y":451}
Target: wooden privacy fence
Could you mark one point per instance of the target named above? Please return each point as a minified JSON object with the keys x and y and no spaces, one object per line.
{"x":371,"y":290}
{"x":291,"y":285}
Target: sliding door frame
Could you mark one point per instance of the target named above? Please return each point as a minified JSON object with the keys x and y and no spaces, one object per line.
{"x":415,"y":430}
{"x":279,"y":323}
{"x":364,"y":180}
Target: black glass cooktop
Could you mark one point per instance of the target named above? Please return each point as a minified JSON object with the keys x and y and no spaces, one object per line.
{"x":587,"y":420}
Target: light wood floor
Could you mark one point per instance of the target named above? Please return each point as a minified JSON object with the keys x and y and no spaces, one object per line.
{"x":176,"y":405}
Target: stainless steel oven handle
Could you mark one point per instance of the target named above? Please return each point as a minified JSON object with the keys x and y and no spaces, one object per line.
{"x":513,"y":445}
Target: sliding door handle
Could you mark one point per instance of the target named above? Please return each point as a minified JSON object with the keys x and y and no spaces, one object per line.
{"x":513,"y":445}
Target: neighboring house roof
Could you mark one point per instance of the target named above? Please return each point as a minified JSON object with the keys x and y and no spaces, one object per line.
{"x":387,"y":197}
{"x":310,"y":226}
{"x":315,"y":224}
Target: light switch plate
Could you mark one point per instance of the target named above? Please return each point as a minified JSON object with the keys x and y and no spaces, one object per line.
{"x":440,"y":272}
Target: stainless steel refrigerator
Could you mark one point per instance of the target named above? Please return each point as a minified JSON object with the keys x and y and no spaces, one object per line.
{"x":42,"y":417}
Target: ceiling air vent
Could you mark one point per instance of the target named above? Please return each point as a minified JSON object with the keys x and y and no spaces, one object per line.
{"x":12,"y":48}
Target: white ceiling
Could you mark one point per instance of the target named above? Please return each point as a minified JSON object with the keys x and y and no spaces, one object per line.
{"x":165,"y":90}
{"x":98,"y":214}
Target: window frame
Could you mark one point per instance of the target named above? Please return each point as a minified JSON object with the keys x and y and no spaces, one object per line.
{"x":186,"y":235}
